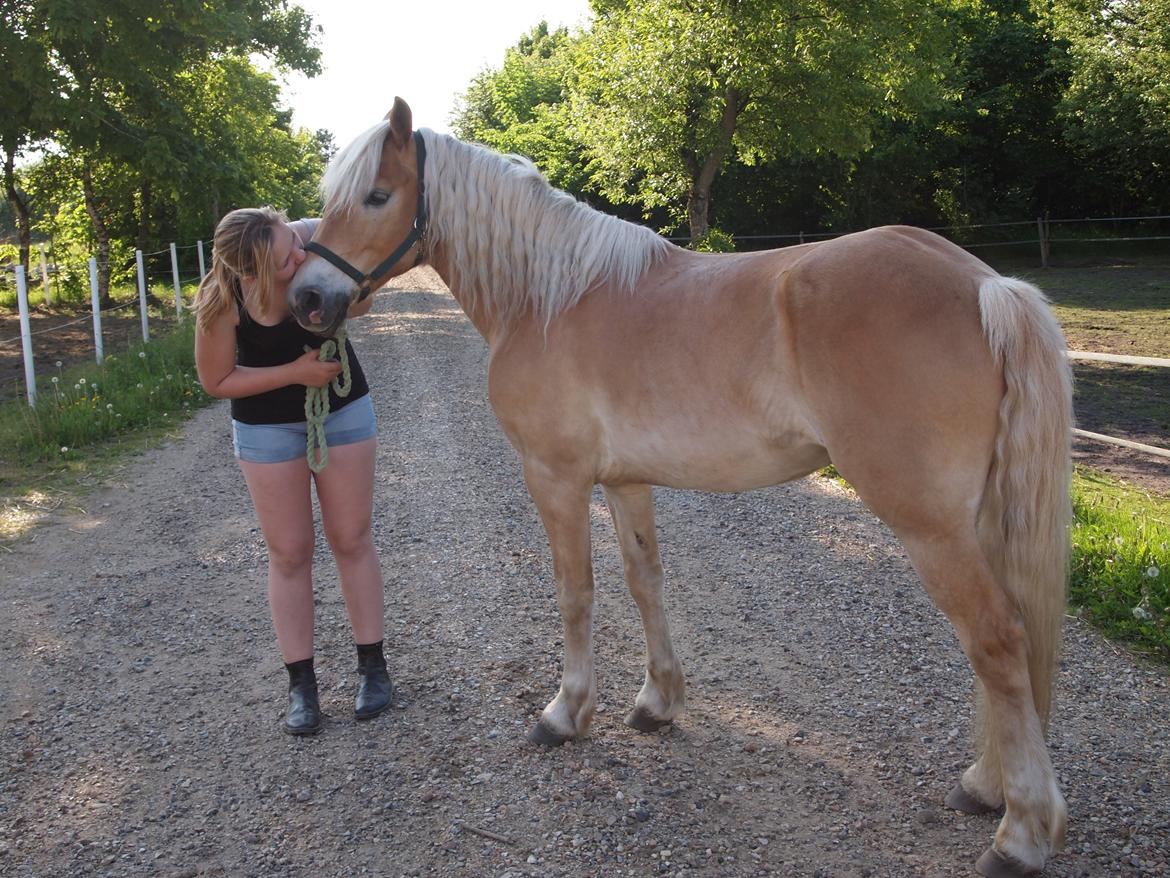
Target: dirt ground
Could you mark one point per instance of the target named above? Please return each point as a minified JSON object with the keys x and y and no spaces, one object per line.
{"x":828,"y":703}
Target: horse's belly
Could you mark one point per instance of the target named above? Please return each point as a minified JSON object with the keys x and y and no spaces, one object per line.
{"x":712,"y":462}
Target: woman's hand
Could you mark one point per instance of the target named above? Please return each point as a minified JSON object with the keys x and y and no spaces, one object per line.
{"x":311,"y":371}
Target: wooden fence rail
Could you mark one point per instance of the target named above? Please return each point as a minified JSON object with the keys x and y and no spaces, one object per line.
{"x":1127,"y":361}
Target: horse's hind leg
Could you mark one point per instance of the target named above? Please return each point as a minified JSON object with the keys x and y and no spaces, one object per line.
{"x":962,"y":584}
{"x":564,"y":509}
{"x":663,"y":692}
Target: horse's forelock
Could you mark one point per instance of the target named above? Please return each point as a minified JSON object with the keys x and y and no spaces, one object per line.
{"x":352,"y":171}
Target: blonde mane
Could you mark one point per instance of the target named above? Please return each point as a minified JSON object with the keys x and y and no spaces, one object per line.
{"x":513,"y":242}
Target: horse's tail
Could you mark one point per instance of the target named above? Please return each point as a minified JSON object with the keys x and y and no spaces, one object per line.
{"x":1025,"y":517}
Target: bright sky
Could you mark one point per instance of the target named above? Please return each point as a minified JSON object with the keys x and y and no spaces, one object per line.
{"x":426,"y":52}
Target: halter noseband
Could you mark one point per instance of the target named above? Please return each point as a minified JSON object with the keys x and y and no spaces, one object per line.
{"x":416,"y":234}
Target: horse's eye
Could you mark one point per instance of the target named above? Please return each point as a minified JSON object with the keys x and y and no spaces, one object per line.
{"x":377,"y":198}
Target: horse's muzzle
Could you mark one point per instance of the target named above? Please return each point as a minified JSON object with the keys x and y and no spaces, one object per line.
{"x":317,"y":310}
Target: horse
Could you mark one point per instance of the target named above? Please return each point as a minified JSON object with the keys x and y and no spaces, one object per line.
{"x":939,"y":389}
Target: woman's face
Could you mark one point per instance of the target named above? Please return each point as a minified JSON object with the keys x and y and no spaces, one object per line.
{"x":287,"y":253}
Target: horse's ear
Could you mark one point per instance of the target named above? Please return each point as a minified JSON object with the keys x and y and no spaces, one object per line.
{"x":400,"y":122}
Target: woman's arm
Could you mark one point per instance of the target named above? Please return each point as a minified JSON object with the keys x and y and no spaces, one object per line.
{"x":304,"y":228}
{"x":215,"y":363}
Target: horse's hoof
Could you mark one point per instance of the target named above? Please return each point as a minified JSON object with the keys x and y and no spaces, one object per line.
{"x":961,"y":800}
{"x":993,"y":864}
{"x":543,"y":736}
{"x":641,"y":719}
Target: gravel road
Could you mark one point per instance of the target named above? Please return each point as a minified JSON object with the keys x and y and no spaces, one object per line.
{"x":828,"y":705}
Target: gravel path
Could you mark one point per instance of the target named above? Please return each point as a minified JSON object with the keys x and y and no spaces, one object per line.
{"x":828,"y":710}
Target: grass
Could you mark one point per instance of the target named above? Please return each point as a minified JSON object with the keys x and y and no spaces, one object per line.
{"x":1121,"y":562}
{"x":87,"y":418}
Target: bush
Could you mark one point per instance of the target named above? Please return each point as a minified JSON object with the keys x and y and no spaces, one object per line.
{"x":715,"y":241}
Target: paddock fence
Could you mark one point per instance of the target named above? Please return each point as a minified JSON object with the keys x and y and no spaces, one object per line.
{"x":96,"y":311}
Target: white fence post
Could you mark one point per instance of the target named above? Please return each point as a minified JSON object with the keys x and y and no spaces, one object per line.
{"x":142,"y":295}
{"x":30,"y":378}
{"x":45,"y":278}
{"x":202,"y":270}
{"x":175,"y":274}
{"x":95,"y":303}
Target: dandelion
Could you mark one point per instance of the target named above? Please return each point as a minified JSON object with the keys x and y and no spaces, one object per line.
{"x":1120,"y":541}
{"x":77,"y":387}
{"x":80,"y":380}
{"x":56,"y":379}
{"x":58,"y":364}
{"x":64,"y":449}
{"x":95,"y":388}
{"x":1140,"y":612}
{"x":1152,"y":572}
{"x":139,"y":385}
{"x":169,"y":376}
{"x":109,"y":406}
{"x":142,"y":355}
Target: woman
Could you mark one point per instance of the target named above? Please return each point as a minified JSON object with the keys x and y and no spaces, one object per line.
{"x":248,"y":349}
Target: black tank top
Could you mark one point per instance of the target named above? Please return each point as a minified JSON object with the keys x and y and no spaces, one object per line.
{"x":259,"y":345}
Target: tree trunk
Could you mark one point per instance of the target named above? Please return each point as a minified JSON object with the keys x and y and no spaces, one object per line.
{"x":19,"y":208}
{"x":102,"y":234}
{"x":699,"y":197}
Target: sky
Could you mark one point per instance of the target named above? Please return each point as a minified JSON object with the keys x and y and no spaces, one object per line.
{"x":426,"y":52}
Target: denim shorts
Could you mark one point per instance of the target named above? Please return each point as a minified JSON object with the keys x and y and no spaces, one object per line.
{"x":276,"y":443}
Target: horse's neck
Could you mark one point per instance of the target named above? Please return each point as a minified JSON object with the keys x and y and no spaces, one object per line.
{"x":475,"y":310}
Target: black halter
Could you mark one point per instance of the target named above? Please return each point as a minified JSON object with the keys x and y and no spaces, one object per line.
{"x":416,"y":234}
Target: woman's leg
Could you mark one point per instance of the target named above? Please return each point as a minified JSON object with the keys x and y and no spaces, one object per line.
{"x":345,"y":489}
{"x":281,"y":495}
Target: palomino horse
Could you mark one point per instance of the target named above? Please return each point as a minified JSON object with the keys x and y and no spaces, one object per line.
{"x":939,"y":389}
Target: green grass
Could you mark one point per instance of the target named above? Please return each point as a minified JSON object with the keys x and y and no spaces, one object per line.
{"x":88,"y":421}
{"x":1121,"y":562}
{"x":86,"y":404}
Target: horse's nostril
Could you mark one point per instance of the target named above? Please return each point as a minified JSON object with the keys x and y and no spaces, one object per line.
{"x":310,"y":300}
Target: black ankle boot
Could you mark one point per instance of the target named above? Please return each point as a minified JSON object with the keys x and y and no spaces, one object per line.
{"x":374,"y":689}
{"x":304,"y":710}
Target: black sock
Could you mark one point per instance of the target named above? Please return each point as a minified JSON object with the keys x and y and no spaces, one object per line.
{"x":370,"y":653}
{"x":301,"y":671}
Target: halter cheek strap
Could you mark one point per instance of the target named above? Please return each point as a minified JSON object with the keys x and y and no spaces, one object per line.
{"x":365,"y":280}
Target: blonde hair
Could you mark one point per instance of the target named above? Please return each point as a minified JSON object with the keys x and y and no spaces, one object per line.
{"x":242,"y":246}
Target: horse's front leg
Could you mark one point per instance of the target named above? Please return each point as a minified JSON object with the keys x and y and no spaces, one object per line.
{"x":664,"y":690}
{"x":563,"y":504}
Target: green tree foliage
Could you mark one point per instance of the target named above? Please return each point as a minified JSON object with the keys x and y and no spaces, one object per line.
{"x":120,"y":89}
{"x":1116,"y":109}
{"x":670,"y":90}
{"x":523,"y":106}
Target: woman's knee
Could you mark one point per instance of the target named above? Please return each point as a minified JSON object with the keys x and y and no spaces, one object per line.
{"x":291,"y":556}
{"x":350,"y":542}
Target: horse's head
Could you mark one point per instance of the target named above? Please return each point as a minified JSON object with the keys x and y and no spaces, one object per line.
{"x":373,"y":223}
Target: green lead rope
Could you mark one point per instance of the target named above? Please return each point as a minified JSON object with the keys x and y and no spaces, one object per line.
{"x":317,"y":401}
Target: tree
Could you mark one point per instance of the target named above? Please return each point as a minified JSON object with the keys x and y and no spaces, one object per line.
{"x":669,"y":90}
{"x":114,"y":67}
{"x":1116,"y":109}
{"x":29,"y":94}
{"x":523,"y":107}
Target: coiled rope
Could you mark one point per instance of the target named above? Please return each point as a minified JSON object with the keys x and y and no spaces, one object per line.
{"x":317,"y":401}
